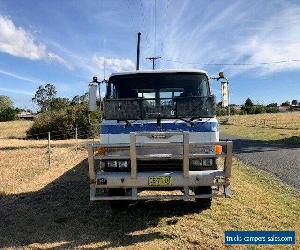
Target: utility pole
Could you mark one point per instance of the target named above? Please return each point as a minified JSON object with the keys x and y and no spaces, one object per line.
{"x":138,"y":52}
{"x":153,"y":60}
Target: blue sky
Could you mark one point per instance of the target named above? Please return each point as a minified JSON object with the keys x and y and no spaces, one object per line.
{"x":64,"y":43}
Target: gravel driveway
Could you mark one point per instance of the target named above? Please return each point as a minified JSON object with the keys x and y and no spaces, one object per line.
{"x":280,"y":159}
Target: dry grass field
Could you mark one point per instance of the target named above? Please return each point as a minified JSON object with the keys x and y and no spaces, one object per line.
{"x":14,"y":129}
{"x":280,"y":127}
{"x":44,"y":207}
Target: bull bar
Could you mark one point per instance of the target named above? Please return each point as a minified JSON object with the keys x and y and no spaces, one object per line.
{"x":136,"y":181}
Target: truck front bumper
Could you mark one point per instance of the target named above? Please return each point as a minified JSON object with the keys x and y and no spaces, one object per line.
{"x":184,"y":180}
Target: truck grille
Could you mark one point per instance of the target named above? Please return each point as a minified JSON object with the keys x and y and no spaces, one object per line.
{"x":159,"y":165}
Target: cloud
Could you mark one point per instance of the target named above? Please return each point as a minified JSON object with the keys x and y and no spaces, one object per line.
{"x":23,"y":78}
{"x":55,"y":58}
{"x":113,"y":64}
{"x":278,"y":40}
{"x":19,"y":92}
{"x":20,"y":43}
{"x":17,"y":42}
{"x":251,"y":32}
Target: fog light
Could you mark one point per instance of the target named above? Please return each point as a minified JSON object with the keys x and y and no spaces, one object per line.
{"x":123,"y":164}
{"x":112,"y":164}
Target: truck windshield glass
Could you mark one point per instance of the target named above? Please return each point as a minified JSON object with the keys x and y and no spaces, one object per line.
{"x":155,"y":86}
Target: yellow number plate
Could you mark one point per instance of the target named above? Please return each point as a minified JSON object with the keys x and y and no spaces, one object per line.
{"x":160,"y":181}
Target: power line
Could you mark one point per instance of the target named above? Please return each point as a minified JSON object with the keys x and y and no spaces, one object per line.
{"x":154,"y":17}
{"x":235,"y":64}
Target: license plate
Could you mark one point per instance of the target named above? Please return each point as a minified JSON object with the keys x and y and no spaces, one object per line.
{"x":160,"y":181}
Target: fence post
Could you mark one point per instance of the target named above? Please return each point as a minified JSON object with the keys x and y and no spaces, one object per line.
{"x":49,"y":149}
{"x":76,"y":138}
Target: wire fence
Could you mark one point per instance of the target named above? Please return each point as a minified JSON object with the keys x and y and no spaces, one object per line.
{"x":75,"y":132}
{"x":26,"y":162}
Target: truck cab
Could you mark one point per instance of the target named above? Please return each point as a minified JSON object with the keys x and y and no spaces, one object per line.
{"x":159,"y":132}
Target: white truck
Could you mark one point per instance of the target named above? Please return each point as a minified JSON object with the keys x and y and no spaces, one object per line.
{"x":159,"y":133}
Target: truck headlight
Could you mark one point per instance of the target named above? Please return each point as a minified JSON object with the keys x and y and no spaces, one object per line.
{"x":112,"y":164}
{"x":123,"y":164}
{"x":196,"y":163}
{"x":202,"y":163}
{"x":207,"y":162}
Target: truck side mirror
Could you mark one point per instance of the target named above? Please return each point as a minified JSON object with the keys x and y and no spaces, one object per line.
{"x":221,"y":75}
{"x":93,"y":88}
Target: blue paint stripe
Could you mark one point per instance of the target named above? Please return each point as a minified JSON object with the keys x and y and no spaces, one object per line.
{"x":152,"y":127}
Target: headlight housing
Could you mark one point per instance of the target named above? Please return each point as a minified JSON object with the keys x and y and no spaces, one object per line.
{"x":201,"y":163}
{"x":122,"y":164}
{"x":112,"y":164}
{"x":207,"y":162}
{"x":117,"y":164}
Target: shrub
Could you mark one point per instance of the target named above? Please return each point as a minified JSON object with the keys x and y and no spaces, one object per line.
{"x":259,"y":109}
{"x":7,"y":114}
{"x":221,"y":111}
{"x":62,"y":123}
{"x":272,"y":109}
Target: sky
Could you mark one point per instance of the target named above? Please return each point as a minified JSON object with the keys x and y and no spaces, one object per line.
{"x":65,"y":43}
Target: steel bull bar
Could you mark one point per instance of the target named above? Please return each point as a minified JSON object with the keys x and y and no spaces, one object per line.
{"x":183,"y":180}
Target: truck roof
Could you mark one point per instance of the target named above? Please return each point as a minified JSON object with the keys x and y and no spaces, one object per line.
{"x":160,"y":72}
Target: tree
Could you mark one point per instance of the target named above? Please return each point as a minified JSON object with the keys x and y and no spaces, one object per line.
{"x":233,"y":110}
{"x":273,"y":104}
{"x":249,"y":103}
{"x":7,"y":114}
{"x":44,"y":96}
{"x":248,"y":107}
{"x":59,"y":103}
{"x":286,"y":103}
{"x":7,"y":111}
{"x":5,"y":102}
{"x":78,"y":99}
{"x":272,"y":109}
{"x":259,"y":109}
{"x":294,"y":102}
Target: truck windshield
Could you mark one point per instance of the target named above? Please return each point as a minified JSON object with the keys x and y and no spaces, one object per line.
{"x":157,"y":86}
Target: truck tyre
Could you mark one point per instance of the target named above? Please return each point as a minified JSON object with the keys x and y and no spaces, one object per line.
{"x":118,"y":204}
{"x":204,"y":203}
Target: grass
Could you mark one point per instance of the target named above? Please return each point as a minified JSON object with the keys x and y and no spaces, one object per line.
{"x":280,"y":127}
{"x":47,"y":207}
{"x":14,"y":129}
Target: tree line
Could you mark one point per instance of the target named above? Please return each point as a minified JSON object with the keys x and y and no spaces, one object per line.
{"x":250,"y":108}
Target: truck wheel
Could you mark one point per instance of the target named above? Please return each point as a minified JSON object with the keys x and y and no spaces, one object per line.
{"x":203,"y":202}
{"x":118,"y":204}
